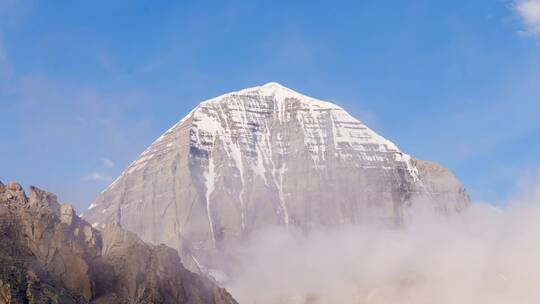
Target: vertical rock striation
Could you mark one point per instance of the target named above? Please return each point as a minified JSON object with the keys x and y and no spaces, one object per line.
{"x":266,"y":156}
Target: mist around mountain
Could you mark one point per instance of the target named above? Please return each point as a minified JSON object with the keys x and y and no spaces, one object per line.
{"x":483,"y":255}
{"x":276,"y":197}
{"x":283,"y":198}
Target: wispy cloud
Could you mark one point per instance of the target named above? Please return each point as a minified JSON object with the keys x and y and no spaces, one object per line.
{"x":529,"y":10}
{"x":96,"y":176}
{"x":107,"y":162}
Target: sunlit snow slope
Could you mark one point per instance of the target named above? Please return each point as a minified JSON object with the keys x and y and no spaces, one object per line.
{"x":266,"y":156}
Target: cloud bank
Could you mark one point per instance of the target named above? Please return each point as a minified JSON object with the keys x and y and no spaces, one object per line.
{"x":484,"y":255}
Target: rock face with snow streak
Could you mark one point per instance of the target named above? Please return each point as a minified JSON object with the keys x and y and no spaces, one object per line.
{"x":266,"y":156}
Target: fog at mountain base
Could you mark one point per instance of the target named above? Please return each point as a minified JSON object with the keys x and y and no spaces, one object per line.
{"x":484,"y":255}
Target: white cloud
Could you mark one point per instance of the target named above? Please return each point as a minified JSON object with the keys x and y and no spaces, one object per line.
{"x":529,"y":10}
{"x":96,"y":176}
{"x":107,"y":162}
{"x":483,"y":255}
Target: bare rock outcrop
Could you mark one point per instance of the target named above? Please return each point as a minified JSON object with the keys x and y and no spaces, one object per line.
{"x":442,"y":187}
{"x":131,"y":269}
{"x":49,"y":255}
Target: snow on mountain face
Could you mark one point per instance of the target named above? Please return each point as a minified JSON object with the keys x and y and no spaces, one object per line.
{"x":266,"y":156}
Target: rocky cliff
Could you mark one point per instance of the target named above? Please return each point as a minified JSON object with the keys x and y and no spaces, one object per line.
{"x":267,"y":156}
{"x":49,"y":255}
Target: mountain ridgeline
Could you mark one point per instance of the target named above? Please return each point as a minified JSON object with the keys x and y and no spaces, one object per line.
{"x":267,"y":156}
{"x":49,"y":255}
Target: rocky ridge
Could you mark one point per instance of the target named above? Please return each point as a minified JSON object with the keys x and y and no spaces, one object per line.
{"x":50,"y":255}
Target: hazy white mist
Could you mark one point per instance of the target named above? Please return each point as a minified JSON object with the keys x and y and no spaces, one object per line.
{"x":484,"y":255}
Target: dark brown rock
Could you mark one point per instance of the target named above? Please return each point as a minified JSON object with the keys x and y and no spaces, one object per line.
{"x":49,"y":255}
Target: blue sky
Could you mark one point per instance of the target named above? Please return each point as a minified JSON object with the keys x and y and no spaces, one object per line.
{"x":86,"y":86}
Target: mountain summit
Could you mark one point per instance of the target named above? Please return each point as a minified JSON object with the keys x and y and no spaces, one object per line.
{"x":266,"y":156}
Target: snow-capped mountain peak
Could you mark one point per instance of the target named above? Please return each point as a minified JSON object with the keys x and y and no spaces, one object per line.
{"x":279,"y":92}
{"x":261,"y":156}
